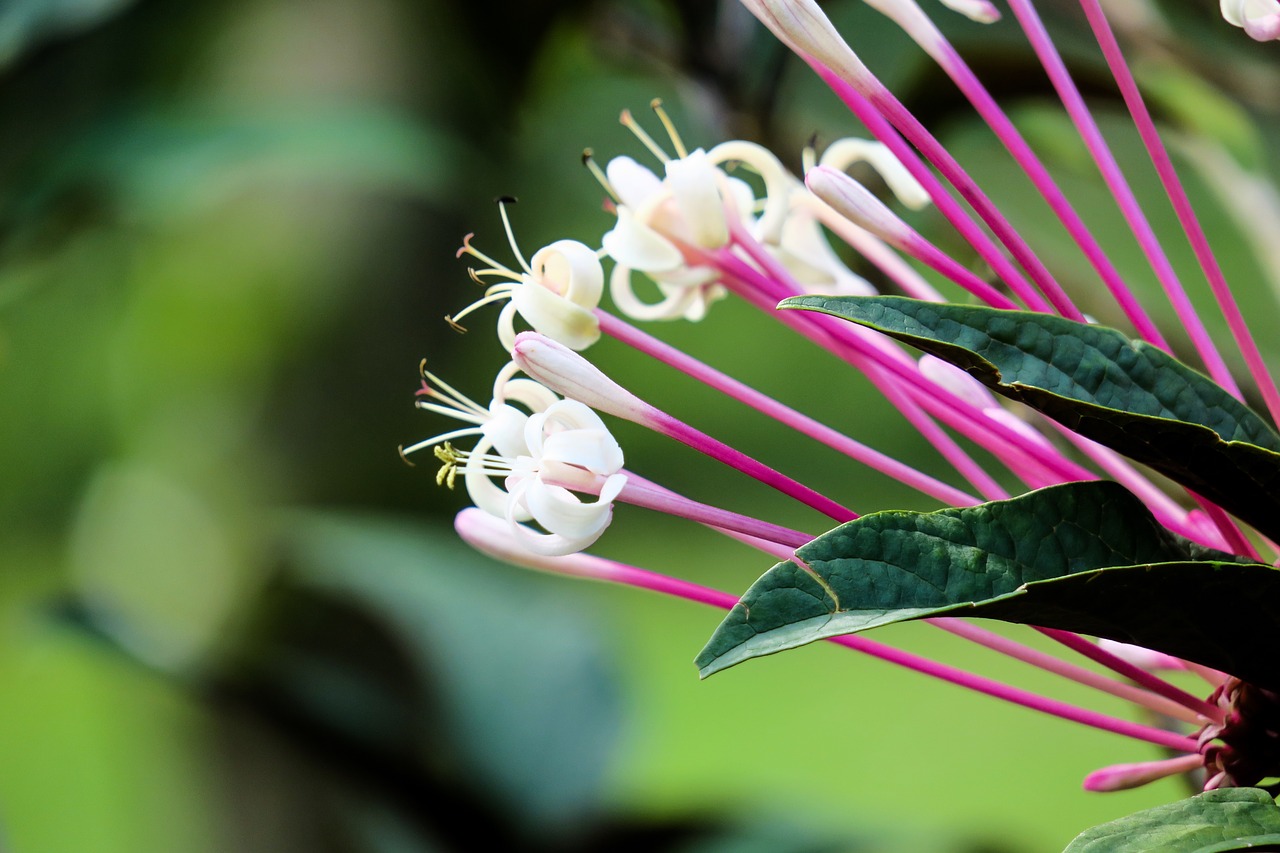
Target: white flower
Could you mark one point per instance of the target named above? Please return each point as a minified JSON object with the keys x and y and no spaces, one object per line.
{"x":539,"y":455}
{"x":1260,"y":19}
{"x":568,"y":443}
{"x":690,"y":206}
{"x":556,"y":292}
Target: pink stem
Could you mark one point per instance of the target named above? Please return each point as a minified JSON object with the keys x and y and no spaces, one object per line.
{"x":643,"y":493}
{"x":1078,"y":674}
{"x":954,"y":65}
{"x":748,"y":283}
{"x":680,"y":431}
{"x":1152,"y":682}
{"x":995,"y":436}
{"x":1182,"y":206}
{"x":879,"y":254}
{"x":1235,"y":538}
{"x":1025,"y":11}
{"x":934,"y":258}
{"x":630,"y":335}
{"x":882,"y":130}
{"x":483,"y":533}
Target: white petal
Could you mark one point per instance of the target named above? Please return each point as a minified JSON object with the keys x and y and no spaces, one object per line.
{"x":807,"y":255}
{"x":593,"y":449}
{"x":570,"y":269}
{"x":572,"y":414}
{"x":533,"y":395}
{"x":675,"y":300}
{"x":636,"y":245}
{"x":556,"y":317}
{"x":505,"y":430}
{"x":778,"y":183}
{"x":975,"y":10}
{"x":486,"y":494}
{"x":557,"y":544}
{"x":559,"y":510}
{"x":843,"y":153}
{"x":631,"y":182}
{"x":694,"y":185}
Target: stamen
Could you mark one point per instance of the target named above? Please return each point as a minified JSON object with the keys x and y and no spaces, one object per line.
{"x":468,"y":462}
{"x":448,"y":393}
{"x":450,"y":412}
{"x":809,"y":156}
{"x":511,"y":237}
{"x":448,"y":472}
{"x":404,"y":458}
{"x":676,"y":143}
{"x":468,"y":249}
{"x":629,"y":122}
{"x":497,"y":293}
{"x":436,"y":439}
{"x":588,"y":160}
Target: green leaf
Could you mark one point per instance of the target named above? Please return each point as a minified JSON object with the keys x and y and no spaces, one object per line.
{"x":1213,"y":822}
{"x":1086,"y":557}
{"x":1128,"y":395}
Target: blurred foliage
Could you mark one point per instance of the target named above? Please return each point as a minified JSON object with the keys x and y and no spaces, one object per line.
{"x":233,"y":620}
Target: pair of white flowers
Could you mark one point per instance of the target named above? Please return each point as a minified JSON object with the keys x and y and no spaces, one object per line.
{"x":543,"y":454}
{"x":537,"y":445}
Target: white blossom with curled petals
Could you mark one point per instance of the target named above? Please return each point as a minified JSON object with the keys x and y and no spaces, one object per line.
{"x":540,"y":453}
{"x":690,"y":206}
{"x":567,"y":443}
{"x":556,"y":292}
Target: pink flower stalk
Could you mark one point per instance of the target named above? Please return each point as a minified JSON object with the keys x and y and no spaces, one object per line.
{"x":698,"y":233}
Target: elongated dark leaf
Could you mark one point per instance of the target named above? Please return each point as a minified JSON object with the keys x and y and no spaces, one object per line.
{"x":1213,"y":822}
{"x":1128,"y":395}
{"x":1086,"y":557}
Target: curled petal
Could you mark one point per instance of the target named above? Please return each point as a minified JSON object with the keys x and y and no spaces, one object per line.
{"x":570,"y":269}
{"x":807,"y":255}
{"x":574,"y":525}
{"x":486,"y":494}
{"x":694,"y":185}
{"x":505,"y":430}
{"x":675,"y":303}
{"x":843,"y":153}
{"x":564,"y":416}
{"x":556,"y":317}
{"x":778,"y":184}
{"x":559,"y":510}
{"x":533,"y":395}
{"x":593,"y":449}
{"x":632,"y":183}
{"x":636,"y":245}
{"x":975,"y":10}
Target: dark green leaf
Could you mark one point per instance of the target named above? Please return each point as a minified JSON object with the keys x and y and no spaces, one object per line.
{"x":1128,"y":395}
{"x":1213,"y":822}
{"x":1086,"y":557}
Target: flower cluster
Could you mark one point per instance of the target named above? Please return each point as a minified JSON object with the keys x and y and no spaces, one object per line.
{"x":732,"y":220}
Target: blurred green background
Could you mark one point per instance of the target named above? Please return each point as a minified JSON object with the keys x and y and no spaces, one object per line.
{"x":233,"y":619}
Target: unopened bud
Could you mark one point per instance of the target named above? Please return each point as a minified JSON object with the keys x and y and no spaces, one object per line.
{"x":859,"y":205}
{"x":1122,"y":777}
{"x":567,"y":373}
{"x":802,"y":26}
